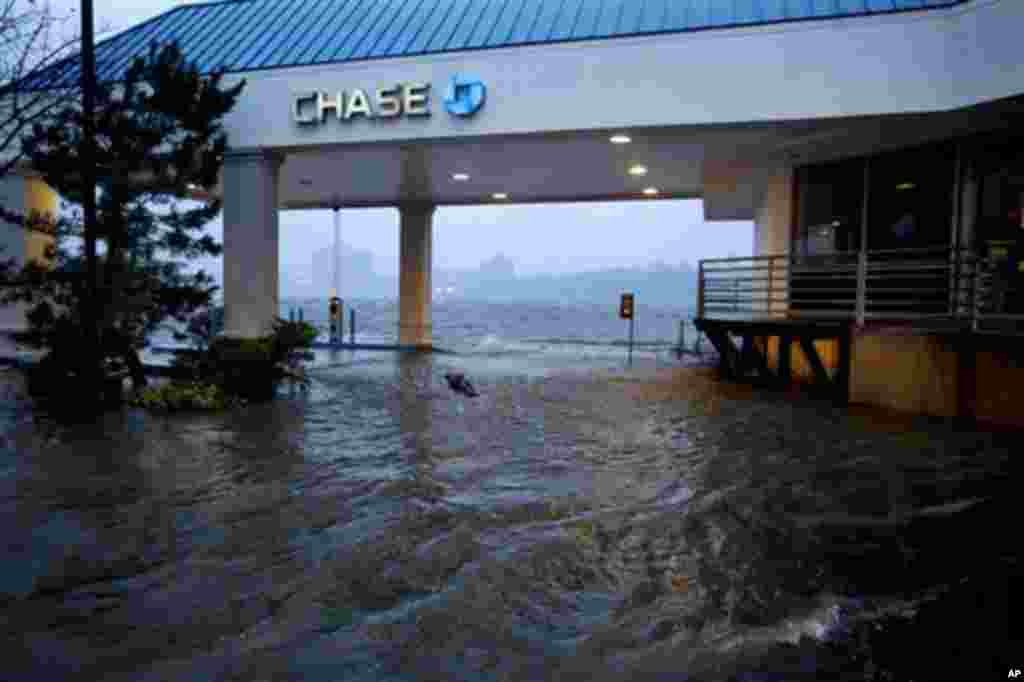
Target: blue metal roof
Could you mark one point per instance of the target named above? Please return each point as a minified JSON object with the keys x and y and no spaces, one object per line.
{"x":245,"y":35}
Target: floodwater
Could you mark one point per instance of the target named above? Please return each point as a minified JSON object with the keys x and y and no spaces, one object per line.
{"x":575,"y":522}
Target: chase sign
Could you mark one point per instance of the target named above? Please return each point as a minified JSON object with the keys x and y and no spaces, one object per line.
{"x":463,"y":97}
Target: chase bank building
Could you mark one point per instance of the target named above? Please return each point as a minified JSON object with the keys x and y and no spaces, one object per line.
{"x":877,"y":145}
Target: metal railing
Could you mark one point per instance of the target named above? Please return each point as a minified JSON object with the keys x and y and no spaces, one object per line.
{"x":944,"y":287}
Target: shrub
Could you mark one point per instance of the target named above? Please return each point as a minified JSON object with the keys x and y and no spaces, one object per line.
{"x":250,"y":369}
{"x":184,"y":395}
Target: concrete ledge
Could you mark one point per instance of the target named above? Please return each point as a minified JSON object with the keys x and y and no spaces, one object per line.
{"x":405,"y":348}
{"x":320,"y":345}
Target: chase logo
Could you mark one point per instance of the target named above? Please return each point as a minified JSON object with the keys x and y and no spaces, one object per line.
{"x":465,"y":95}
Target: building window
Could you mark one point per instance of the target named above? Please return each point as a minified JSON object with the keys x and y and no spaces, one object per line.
{"x":829,"y":201}
{"x":910,"y":198}
{"x":999,"y":170}
{"x":997,"y":167}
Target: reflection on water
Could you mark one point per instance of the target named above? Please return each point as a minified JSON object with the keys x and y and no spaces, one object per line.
{"x":563,"y":525}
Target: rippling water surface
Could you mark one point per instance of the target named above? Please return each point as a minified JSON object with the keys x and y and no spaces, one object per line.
{"x":576,"y":521}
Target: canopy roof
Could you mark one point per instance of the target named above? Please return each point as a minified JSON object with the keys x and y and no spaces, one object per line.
{"x":248,"y":35}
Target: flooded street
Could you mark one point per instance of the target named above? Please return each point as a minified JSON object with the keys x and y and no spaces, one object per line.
{"x":589,"y":523}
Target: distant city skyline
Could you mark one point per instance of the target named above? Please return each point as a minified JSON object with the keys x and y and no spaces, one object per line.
{"x":537,"y":239}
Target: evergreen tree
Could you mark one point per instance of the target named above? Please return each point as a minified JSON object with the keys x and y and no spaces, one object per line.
{"x":159,"y":140}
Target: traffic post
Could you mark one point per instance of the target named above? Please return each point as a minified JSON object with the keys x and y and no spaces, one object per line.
{"x":334,"y":308}
{"x":627,"y":312}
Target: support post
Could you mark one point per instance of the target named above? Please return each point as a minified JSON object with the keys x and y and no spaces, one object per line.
{"x":785,"y":348}
{"x":842,"y":378}
{"x":862,"y":286}
{"x":250,"y":244}
{"x":336,"y":270}
{"x":700,"y":290}
{"x":87,"y":153}
{"x":976,"y":274}
{"x":415,"y":261}
{"x":632,"y":321}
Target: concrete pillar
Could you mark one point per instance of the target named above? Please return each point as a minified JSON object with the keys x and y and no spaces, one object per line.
{"x":30,"y":197}
{"x":772,"y":225}
{"x":250,"y":244}
{"x":415,"y":262}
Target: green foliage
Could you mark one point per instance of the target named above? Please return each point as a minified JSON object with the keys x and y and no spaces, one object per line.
{"x":251,"y":369}
{"x":185,"y":395}
{"x":159,"y":136}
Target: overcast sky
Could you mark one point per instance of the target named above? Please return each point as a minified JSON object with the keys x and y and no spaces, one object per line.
{"x":541,"y":238}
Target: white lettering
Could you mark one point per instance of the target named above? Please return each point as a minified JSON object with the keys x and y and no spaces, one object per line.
{"x":389,"y":102}
{"x":416,"y":99}
{"x":300,"y":118}
{"x":410,"y":99}
{"x":1015,"y":673}
{"x":325,"y":104}
{"x":358,"y":104}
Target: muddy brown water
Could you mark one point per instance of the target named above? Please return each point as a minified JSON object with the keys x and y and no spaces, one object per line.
{"x":570,"y":523}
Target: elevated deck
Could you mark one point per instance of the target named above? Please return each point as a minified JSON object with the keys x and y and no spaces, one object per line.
{"x":750,"y":361}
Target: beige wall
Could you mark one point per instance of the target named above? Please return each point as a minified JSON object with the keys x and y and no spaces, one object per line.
{"x":915,"y":374}
{"x":999,"y":388}
{"x":42,"y":199}
{"x":24,"y":195}
{"x":416,"y":261}
{"x":919,"y":375}
{"x":774,"y":217}
{"x":772,"y":228}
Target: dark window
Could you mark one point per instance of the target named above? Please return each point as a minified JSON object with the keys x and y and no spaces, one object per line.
{"x":910,"y":206}
{"x":910,"y":199}
{"x":829,"y":216}
{"x":999,"y":227}
{"x":1000,"y":172}
{"x":829,"y":198}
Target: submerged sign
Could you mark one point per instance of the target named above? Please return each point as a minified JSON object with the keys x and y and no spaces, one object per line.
{"x":463,"y":97}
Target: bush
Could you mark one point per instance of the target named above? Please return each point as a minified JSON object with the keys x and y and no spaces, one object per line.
{"x":59,"y":382}
{"x":181,"y":395}
{"x":250,"y":369}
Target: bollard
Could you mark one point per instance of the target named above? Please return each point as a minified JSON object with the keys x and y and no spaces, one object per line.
{"x":352,"y":325}
{"x":334,"y":315}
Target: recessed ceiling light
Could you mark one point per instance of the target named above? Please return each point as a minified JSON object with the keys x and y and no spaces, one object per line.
{"x":620,"y":139}
{"x":460,"y":177}
{"x":905,"y":185}
{"x":305,"y":181}
{"x":650,"y":191}
{"x":192,"y":186}
{"x":500,"y":196}
{"x":638,"y":170}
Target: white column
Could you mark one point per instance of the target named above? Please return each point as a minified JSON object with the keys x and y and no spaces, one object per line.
{"x":250,"y":244}
{"x":415,"y":262}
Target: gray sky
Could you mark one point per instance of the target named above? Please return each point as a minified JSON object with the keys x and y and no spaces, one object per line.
{"x":541,"y":238}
